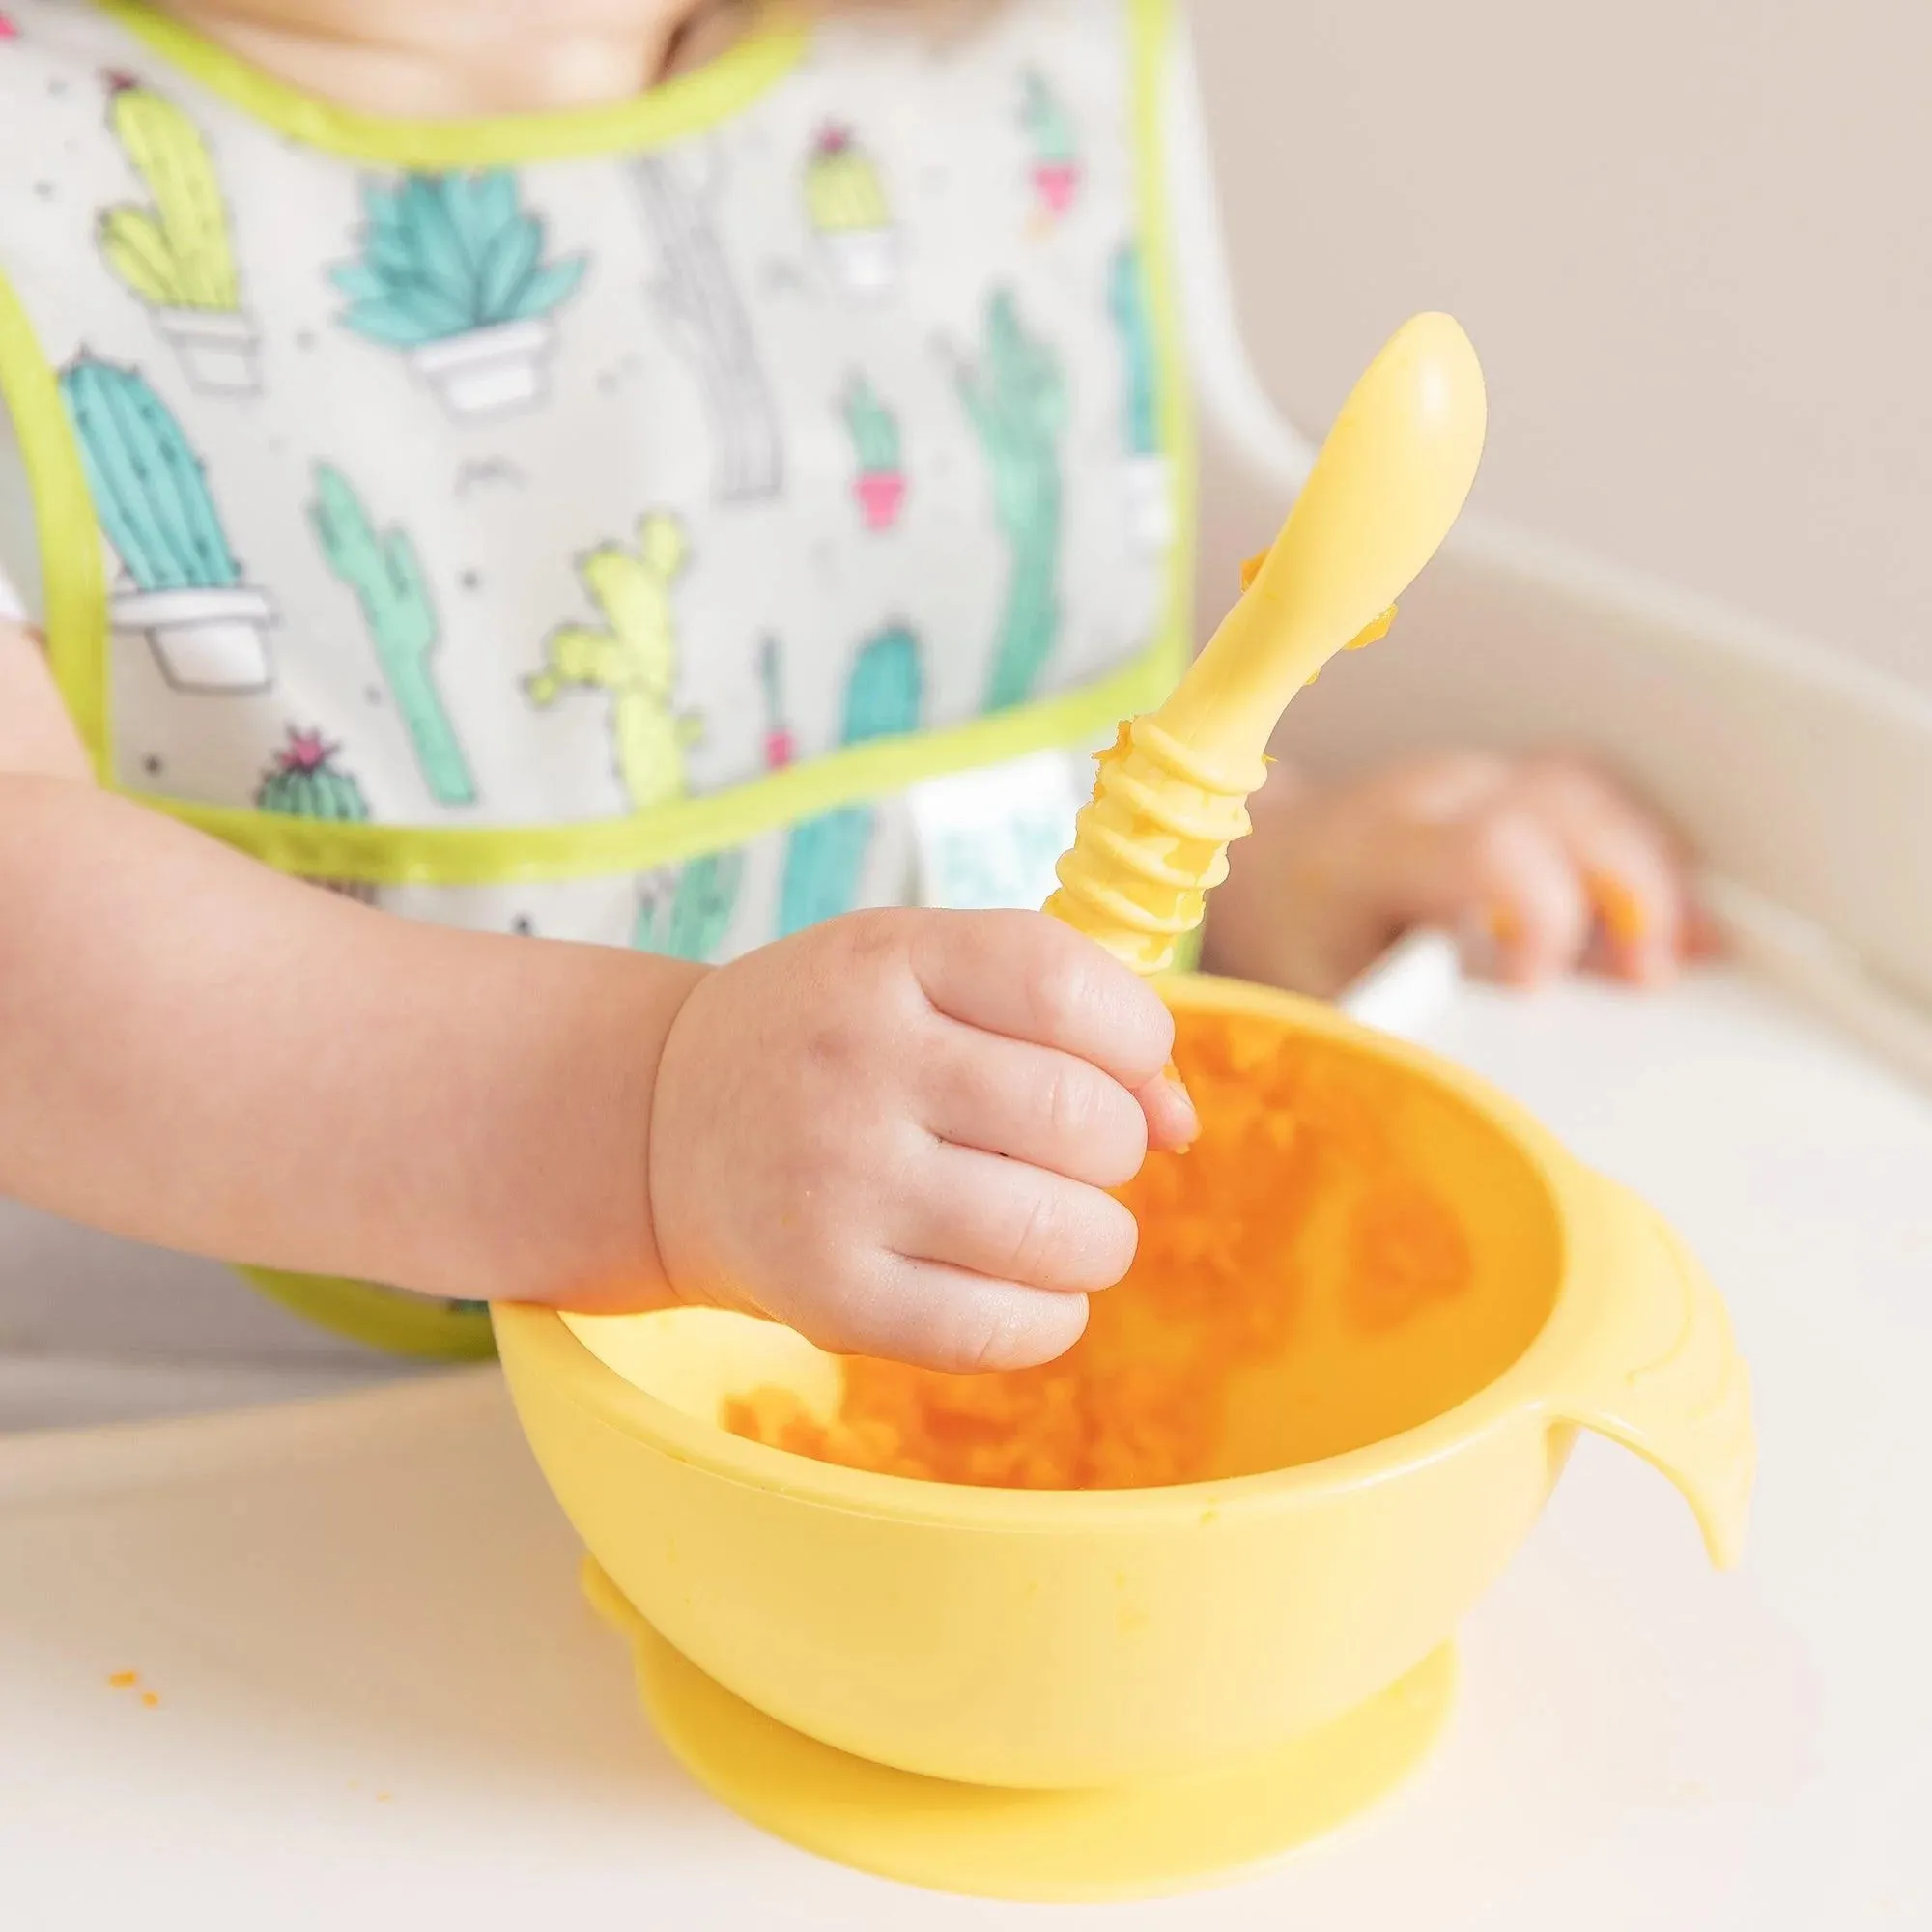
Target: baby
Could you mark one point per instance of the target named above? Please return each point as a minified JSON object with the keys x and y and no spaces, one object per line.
{"x":582,"y":474}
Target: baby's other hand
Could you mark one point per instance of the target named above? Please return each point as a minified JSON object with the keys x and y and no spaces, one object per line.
{"x":1538,"y":866}
{"x":895,"y":1131}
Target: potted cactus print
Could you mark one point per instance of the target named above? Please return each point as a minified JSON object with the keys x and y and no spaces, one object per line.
{"x":1056,"y":148}
{"x":1016,"y":397}
{"x":181,"y":585}
{"x":176,"y":255}
{"x":305,"y":782}
{"x":452,"y":273}
{"x":780,"y":745}
{"x":1150,"y":483}
{"x":880,"y":485}
{"x":847,"y":204}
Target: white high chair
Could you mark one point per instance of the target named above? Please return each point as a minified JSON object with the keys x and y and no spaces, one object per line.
{"x":377,"y":1687}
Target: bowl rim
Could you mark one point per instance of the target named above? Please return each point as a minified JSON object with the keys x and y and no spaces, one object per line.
{"x":541,"y":1345}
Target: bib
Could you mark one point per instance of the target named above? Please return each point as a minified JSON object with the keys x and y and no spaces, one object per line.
{"x":592,"y":526}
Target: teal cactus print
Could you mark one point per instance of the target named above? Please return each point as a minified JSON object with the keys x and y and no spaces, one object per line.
{"x":1056,"y":147}
{"x":1017,"y":400}
{"x":447,"y":254}
{"x":689,"y":921}
{"x":1127,"y":302}
{"x":385,"y":574}
{"x":304,"y":780}
{"x":875,"y":431}
{"x":825,"y":857}
{"x":148,"y":486}
{"x":880,"y":483}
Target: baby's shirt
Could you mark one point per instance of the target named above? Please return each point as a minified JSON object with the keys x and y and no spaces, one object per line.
{"x":666,"y":525}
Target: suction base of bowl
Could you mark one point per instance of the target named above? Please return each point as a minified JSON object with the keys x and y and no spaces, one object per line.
{"x":1045,"y":1847}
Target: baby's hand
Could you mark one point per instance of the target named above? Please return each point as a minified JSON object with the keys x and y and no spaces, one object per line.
{"x":895,"y":1133}
{"x":1538,"y":866}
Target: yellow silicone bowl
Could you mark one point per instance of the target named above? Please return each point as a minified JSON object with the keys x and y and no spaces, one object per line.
{"x":1074,"y":1640}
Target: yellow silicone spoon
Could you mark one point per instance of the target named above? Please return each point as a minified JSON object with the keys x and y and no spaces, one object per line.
{"x":1172,"y":790}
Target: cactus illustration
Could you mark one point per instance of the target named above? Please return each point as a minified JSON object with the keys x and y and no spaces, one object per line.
{"x":175,"y":255}
{"x":183,"y":587}
{"x":688,"y":915}
{"x":1017,"y":400}
{"x":385,"y":574}
{"x":880,"y":484}
{"x":1150,"y":496}
{"x":825,"y":857}
{"x":701,"y":303}
{"x":446,"y":254}
{"x":846,"y":202}
{"x":452,"y":273}
{"x":781,"y":745}
{"x":634,"y":659}
{"x":1128,"y":303}
{"x":148,"y":490}
{"x":1056,"y":147}
{"x":305,"y":782}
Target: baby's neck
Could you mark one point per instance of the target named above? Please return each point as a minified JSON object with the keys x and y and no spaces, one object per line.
{"x":453,"y":58}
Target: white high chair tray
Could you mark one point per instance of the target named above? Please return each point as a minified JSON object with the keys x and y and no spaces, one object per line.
{"x":380,"y":1700}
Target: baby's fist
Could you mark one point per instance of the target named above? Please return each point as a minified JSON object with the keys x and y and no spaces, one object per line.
{"x":895,"y":1132}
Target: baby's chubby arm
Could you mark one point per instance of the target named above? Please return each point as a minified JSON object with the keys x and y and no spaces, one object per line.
{"x":894,"y":1131}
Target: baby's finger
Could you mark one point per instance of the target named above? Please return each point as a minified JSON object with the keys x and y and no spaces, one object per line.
{"x":1052,"y":1110}
{"x":1030,"y":978}
{"x":1167,"y":1107}
{"x":1012,"y":1222}
{"x":1491,"y":874}
{"x":1631,"y":871}
{"x":938,"y":1316}
{"x":1524,"y":906}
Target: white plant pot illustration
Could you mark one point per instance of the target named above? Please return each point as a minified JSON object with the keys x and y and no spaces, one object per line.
{"x":219,"y":349}
{"x":205,"y":641}
{"x":867,"y":260}
{"x":487,"y":372}
{"x":1150,"y":491}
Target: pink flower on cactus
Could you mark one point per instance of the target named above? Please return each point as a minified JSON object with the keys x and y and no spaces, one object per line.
{"x":8,"y":29}
{"x":305,"y":752}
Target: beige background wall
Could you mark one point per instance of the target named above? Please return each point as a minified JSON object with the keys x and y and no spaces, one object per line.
{"x":1692,"y":240}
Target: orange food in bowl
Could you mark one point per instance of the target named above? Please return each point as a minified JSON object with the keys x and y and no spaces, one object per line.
{"x":1304,"y":1284}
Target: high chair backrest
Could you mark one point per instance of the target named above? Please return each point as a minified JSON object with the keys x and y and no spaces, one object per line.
{"x":1803,"y":778}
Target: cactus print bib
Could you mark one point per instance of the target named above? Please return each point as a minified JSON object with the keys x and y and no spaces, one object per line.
{"x":592,"y":524}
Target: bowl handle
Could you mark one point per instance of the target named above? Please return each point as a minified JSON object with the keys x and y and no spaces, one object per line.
{"x":1657,"y":1368}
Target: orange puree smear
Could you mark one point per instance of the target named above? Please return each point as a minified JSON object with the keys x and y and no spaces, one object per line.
{"x":1294,"y":1224}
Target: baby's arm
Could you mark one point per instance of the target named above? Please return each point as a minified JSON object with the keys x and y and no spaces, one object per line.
{"x":894,"y":1131}
{"x":198,"y":1052}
